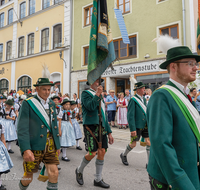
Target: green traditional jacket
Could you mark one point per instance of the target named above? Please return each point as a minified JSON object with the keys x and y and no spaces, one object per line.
{"x":174,"y":153}
{"x":136,"y":117}
{"x":32,"y":132}
{"x":90,"y":110}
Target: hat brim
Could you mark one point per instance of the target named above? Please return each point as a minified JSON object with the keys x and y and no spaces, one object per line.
{"x":55,"y":98}
{"x":139,"y":87}
{"x":44,"y":84}
{"x":65,"y":102}
{"x":102,"y":80}
{"x":10,"y":104}
{"x":166,"y":63}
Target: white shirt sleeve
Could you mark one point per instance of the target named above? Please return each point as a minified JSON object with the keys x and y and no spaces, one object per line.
{"x":60,"y":115}
{"x":13,"y":114}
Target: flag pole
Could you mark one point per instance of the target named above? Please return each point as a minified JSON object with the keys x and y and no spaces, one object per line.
{"x":100,"y":120}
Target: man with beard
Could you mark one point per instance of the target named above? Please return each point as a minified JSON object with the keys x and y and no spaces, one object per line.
{"x":90,"y":105}
{"x":174,"y":123}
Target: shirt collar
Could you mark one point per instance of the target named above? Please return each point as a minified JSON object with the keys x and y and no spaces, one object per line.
{"x":181,"y":87}
{"x":42,"y":100}
{"x":141,"y":97}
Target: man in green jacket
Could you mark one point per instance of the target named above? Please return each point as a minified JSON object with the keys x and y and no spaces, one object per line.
{"x":137,"y":121}
{"x":38,"y":136}
{"x":90,"y":108}
{"x":173,"y":124}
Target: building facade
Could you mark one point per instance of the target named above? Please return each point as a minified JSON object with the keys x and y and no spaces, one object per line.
{"x":140,"y":59}
{"x":34,"y":33}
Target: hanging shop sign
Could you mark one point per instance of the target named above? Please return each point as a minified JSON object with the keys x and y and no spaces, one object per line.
{"x":130,"y":69}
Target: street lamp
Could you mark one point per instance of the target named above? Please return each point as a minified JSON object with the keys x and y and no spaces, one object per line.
{"x":60,"y":54}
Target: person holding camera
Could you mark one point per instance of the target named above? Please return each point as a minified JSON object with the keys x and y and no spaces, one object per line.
{"x":111,"y":102}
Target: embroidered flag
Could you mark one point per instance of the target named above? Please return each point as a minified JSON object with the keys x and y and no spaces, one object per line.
{"x":122,"y":26}
{"x":101,"y":49}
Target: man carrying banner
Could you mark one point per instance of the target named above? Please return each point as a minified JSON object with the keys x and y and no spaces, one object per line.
{"x":137,"y":121}
{"x":38,"y":136}
{"x":90,"y":105}
{"x":174,"y":122}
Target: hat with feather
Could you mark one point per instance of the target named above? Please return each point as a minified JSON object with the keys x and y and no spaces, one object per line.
{"x":173,"y":50}
{"x":44,"y":81}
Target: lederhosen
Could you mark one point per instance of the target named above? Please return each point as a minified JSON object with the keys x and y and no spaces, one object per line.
{"x":157,"y":185}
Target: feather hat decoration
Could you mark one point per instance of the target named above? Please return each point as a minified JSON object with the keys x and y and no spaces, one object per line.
{"x":166,"y":42}
{"x":45,"y":72}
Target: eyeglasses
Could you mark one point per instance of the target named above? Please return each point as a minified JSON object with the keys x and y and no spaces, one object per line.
{"x":191,"y":64}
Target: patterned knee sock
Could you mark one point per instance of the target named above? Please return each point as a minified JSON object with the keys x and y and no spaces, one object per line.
{"x":21,"y":187}
{"x":84,"y":163}
{"x":148,"y":153}
{"x":9,"y":146}
{"x":127,"y":150}
{"x":99,"y":168}
{"x":64,"y":150}
{"x":52,"y":186}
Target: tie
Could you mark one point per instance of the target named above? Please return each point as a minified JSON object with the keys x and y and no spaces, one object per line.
{"x":189,"y":97}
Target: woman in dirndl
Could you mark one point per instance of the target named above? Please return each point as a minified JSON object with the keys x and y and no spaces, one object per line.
{"x":66,"y":131}
{"x":122,"y":104}
{"x":76,"y":126}
{"x":5,"y":160}
{"x":8,"y":116}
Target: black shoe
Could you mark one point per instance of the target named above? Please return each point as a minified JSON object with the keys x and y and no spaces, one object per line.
{"x":79,"y":177}
{"x":40,"y":167}
{"x":78,"y":148}
{"x":101,"y":184}
{"x":124,"y":159}
{"x":10,"y":151}
{"x":2,"y":187}
{"x":65,"y":159}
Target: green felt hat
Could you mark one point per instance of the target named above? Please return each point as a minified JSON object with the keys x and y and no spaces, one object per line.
{"x":138,"y":85}
{"x":178,"y":53}
{"x":65,"y":101}
{"x":54,"y":97}
{"x":9,"y":102}
{"x":43,"y":82}
{"x":102,"y":80}
{"x":73,"y":102}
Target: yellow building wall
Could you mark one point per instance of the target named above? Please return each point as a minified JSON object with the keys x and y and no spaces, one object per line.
{"x":37,"y":23}
{"x":5,"y":11}
{"x":7,"y":72}
{"x":33,"y":67}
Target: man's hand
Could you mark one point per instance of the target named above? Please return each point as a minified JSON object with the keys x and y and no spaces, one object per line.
{"x":133,"y":133}
{"x":28,"y":156}
{"x":99,"y":91}
{"x":110,"y":139}
{"x":115,"y":101}
{"x":58,"y":151}
{"x":197,"y":94}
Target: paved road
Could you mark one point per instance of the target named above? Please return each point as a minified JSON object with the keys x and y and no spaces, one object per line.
{"x":115,"y":173}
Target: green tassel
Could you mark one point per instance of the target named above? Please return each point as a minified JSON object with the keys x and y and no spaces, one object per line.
{"x":90,"y":153}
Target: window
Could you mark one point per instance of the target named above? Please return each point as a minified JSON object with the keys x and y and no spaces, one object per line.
{"x":9,"y":51}
{"x":31,"y":7}
{"x":1,"y":52}
{"x":46,"y":3}
{"x":124,"y":6}
{"x":10,"y":16}
{"x":3,"y":86}
{"x":2,"y":2}
{"x":88,"y":15}
{"x":45,"y":40}
{"x":21,"y":47}
{"x":86,"y":51}
{"x":57,"y":36}
{"x":171,"y":31}
{"x":126,"y":50}
{"x":30,"y":44}
{"x":1,"y":20}
{"x":57,"y":1}
{"x":24,"y":83}
{"x":23,"y":10}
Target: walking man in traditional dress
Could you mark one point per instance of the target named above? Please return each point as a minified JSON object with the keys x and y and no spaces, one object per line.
{"x":90,"y":106}
{"x":137,"y":121}
{"x":174,"y":123}
{"x":38,"y":136}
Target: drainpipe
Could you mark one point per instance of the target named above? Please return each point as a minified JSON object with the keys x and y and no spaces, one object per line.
{"x":184,"y":28}
{"x":71,"y":25}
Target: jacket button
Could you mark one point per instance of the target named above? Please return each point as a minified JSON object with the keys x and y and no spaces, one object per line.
{"x":53,"y":119}
{"x":197,"y":163}
{"x":55,"y":127}
{"x":170,"y":186}
{"x":57,"y":135}
{"x":199,"y":144}
{"x":143,"y":119}
{"x":41,"y":136}
{"x":42,"y":126}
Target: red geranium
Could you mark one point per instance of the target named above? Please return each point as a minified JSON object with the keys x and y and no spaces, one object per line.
{"x":68,"y":113}
{"x":57,"y":107}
